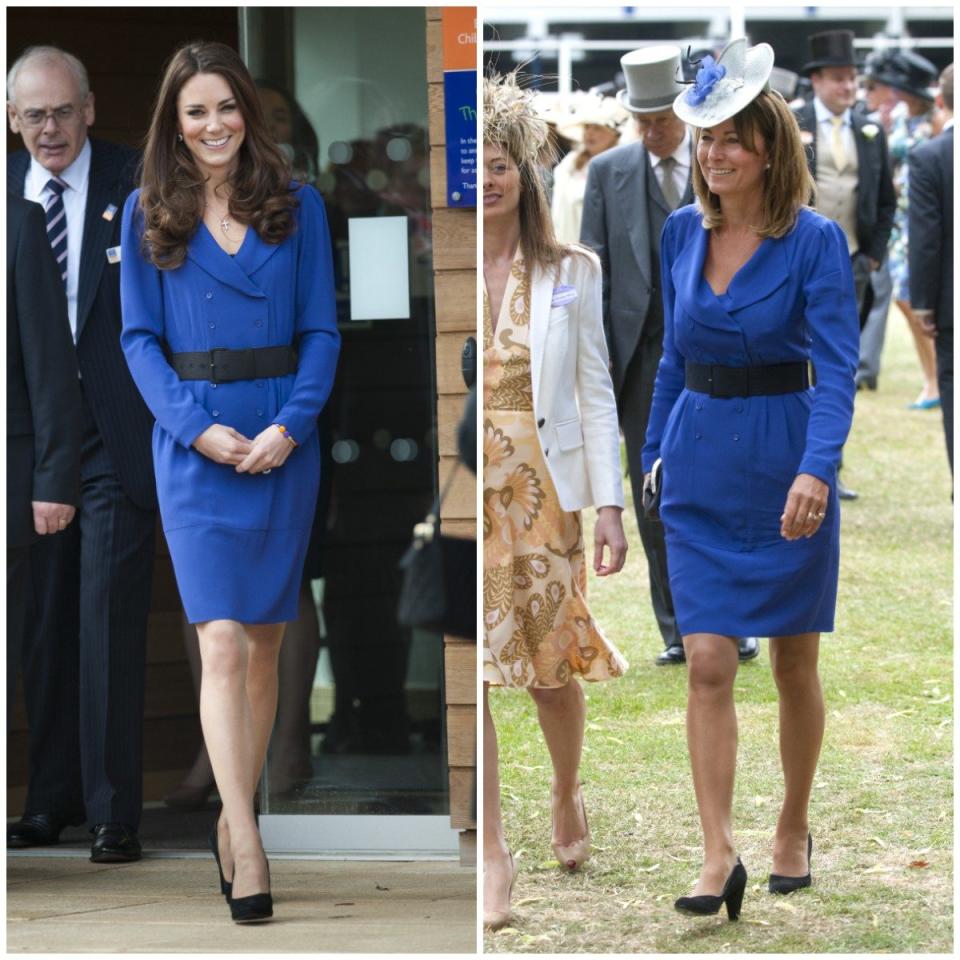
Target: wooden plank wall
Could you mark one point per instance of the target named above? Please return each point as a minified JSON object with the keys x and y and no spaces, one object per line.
{"x":455,"y":283}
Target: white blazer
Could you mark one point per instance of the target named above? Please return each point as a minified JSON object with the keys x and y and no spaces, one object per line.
{"x":573,"y":399}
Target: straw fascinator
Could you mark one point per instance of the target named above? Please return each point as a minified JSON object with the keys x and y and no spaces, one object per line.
{"x":723,"y":88}
{"x":510,"y":120}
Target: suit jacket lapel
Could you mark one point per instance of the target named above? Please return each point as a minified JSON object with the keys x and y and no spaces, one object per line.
{"x":17,"y":166}
{"x":631,"y":189}
{"x":541,"y":294}
{"x":97,"y":233}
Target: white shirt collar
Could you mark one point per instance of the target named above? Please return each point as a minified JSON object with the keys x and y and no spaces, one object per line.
{"x":948,"y":125}
{"x":824,"y":113}
{"x":681,"y":154}
{"x":76,"y":176}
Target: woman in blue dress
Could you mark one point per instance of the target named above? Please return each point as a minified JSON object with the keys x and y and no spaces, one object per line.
{"x":755,"y":287}
{"x":229,"y":329}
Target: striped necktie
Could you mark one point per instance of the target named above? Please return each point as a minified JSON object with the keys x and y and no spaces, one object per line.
{"x":57,"y":224}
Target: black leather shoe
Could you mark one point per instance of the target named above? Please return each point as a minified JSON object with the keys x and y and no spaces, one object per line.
{"x":749,"y":648}
{"x":114,"y":843}
{"x":673,"y":654}
{"x":866,"y":381}
{"x":730,"y":896}
{"x":845,"y":493}
{"x":39,"y":830}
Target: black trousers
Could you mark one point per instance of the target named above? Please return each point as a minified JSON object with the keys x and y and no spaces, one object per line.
{"x":18,"y":588}
{"x":944,"y":349}
{"x":85,"y":659}
{"x":633,"y":407}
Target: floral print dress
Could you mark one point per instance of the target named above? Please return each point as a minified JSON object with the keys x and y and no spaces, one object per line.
{"x":538,"y":631}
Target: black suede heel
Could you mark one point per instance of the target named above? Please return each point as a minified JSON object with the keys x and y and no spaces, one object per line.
{"x":731,"y":895}
{"x":257,"y":907}
{"x":777,"y":883}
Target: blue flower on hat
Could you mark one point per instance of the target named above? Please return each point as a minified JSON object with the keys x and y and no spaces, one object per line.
{"x":707,"y":77}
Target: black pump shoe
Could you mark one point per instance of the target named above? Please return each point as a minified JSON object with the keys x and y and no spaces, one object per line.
{"x":731,"y":895}
{"x":780,"y":884}
{"x":253,"y":909}
{"x":214,"y":841}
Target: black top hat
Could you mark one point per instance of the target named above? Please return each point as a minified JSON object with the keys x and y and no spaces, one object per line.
{"x":904,"y":70}
{"x":832,"y":48}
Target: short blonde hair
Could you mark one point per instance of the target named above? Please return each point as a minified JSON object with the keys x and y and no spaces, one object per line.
{"x":787,"y":184}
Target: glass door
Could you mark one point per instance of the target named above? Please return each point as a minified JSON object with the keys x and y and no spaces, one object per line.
{"x":357,"y":764}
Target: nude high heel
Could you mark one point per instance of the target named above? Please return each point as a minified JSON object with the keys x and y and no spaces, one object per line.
{"x":495,"y":919}
{"x":573,"y":856}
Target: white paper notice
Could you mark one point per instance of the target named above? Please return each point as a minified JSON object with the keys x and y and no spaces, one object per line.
{"x":379,"y":268}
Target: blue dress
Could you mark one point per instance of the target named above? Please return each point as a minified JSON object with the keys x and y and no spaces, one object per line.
{"x":237,"y":540}
{"x":728,"y":463}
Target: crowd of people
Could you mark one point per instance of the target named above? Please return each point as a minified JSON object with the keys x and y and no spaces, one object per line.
{"x":719,"y":309}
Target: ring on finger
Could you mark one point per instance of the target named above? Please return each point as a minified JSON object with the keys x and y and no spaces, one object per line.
{"x":268,"y":470}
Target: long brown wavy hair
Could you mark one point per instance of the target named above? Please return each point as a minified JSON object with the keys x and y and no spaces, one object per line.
{"x":171,"y":183}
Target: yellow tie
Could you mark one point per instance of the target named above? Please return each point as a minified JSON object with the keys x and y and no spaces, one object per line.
{"x":837,"y":146}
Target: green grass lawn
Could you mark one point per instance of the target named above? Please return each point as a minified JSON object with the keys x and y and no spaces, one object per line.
{"x":881,"y":813}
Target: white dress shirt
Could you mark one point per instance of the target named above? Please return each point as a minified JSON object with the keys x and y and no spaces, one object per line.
{"x":825,"y":129}
{"x":681,"y":169}
{"x":77,"y":179}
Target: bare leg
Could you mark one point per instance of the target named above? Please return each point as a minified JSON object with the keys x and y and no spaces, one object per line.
{"x":201,"y":773}
{"x":925,"y":351}
{"x":712,"y":662}
{"x":794,"y":664}
{"x":290,"y":746}
{"x":562,"y":714}
{"x":238,"y":701}
{"x":496,"y":859}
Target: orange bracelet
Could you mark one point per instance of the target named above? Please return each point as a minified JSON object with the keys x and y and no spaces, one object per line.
{"x":283,"y":430}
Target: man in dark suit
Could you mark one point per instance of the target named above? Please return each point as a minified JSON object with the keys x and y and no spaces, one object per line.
{"x":631,"y":190}
{"x":848,"y":159}
{"x":84,"y":668}
{"x":930,"y":250}
{"x":43,"y":412}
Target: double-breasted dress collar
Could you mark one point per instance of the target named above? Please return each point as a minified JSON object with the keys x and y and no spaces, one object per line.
{"x":765,"y":271}
{"x":234,"y":271}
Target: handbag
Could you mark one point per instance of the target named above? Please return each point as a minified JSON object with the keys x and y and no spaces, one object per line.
{"x":652,"y":490}
{"x":439,"y":589}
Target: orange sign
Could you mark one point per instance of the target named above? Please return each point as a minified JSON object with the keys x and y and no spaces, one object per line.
{"x":459,"y":38}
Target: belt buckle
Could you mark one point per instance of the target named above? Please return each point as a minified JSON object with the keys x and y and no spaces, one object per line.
{"x":213,"y":363}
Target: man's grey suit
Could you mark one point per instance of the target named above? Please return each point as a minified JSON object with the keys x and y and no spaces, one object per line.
{"x":623,"y":215}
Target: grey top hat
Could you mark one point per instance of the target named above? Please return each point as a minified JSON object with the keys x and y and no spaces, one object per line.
{"x":723,"y":88}
{"x":651,"y":75}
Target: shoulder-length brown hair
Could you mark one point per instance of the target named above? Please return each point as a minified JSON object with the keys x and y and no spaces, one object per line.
{"x":172,"y":185}
{"x":787,"y":184}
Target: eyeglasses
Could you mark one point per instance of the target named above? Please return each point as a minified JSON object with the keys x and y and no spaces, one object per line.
{"x":38,"y":118}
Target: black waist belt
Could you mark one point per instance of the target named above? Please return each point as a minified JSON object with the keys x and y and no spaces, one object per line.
{"x":222,"y":366}
{"x":747,"y":381}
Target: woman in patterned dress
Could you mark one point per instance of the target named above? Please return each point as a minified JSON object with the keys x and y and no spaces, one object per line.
{"x":551,"y":447}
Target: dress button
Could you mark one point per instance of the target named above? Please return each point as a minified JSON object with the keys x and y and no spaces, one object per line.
{"x":260,"y":383}
{"x":258,"y":323}
{"x":736,"y":436}
{"x":541,"y":422}
{"x":259,"y":413}
{"x":739,"y":408}
{"x":212,"y":325}
{"x":697,"y":436}
{"x":698,"y":405}
{"x":215,"y":413}
{"x":209,"y":295}
{"x":213,"y":386}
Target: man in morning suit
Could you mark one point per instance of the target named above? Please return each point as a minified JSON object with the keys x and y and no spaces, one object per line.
{"x":631,"y":190}
{"x":848,"y":159}
{"x":43,"y":411}
{"x":84,"y":665}
{"x":930,"y":250}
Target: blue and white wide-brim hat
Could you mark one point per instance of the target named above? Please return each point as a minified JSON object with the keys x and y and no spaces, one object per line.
{"x":723,"y":88}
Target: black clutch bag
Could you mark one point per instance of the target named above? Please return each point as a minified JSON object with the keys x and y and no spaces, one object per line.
{"x":439,"y":589}
{"x":652,"y":490}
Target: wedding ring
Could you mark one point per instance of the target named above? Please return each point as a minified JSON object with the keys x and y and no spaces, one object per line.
{"x":815,"y":516}
{"x":267,"y":471}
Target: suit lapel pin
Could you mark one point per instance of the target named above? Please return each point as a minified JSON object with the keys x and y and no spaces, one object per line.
{"x":113,"y":254}
{"x":110,"y":212}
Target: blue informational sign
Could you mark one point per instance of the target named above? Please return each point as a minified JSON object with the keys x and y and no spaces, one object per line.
{"x":460,"y":103}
